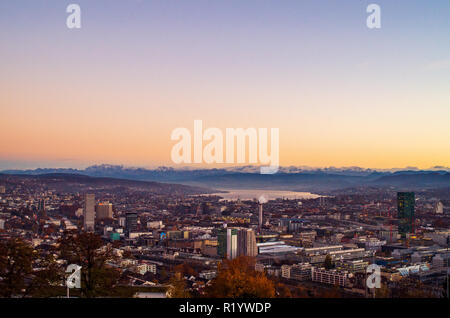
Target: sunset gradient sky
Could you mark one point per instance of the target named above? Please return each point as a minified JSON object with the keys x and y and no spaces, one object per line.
{"x":113,"y":91}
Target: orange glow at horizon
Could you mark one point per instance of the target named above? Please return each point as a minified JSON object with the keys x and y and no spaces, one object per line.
{"x":340,"y":94}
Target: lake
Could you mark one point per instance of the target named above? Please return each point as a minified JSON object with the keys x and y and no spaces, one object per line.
{"x":250,"y":194}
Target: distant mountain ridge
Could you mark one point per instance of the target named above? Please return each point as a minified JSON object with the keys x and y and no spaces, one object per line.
{"x":76,"y":182}
{"x":288,"y":178}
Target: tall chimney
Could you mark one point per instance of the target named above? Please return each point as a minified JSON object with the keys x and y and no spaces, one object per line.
{"x":260,"y":218}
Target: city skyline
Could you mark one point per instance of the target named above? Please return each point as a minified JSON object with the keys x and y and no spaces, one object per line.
{"x":112,"y":92}
{"x":224,"y":157}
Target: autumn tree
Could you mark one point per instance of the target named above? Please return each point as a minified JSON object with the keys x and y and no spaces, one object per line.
{"x":89,"y":251}
{"x":383,"y":291}
{"x":16,"y":265}
{"x":283,"y":291}
{"x":445,"y":289}
{"x":26,"y":272}
{"x":237,"y":278}
{"x":302,"y":292}
{"x":411,"y":288}
{"x":328,"y":263}
{"x":334,"y":292}
{"x":185,"y":269}
{"x":177,"y":287}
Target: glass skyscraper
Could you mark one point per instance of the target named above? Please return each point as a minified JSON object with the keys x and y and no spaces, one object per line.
{"x":234,"y":242}
{"x":405,"y":212}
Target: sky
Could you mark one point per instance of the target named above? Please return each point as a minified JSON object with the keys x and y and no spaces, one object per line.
{"x":112,"y":91}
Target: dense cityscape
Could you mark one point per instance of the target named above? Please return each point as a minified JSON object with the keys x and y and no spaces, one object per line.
{"x":148,"y":239}
{"x":284,"y":158}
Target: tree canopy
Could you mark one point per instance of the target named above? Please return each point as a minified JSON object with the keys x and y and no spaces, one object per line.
{"x":89,"y":251}
{"x":24,"y":271}
{"x":237,"y":278}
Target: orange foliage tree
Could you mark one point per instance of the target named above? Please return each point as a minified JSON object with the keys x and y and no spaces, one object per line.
{"x":237,"y":278}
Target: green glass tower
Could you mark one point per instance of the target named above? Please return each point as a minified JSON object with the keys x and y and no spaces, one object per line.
{"x":227,"y":243}
{"x":222,"y":243}
{"x":405,"y":212}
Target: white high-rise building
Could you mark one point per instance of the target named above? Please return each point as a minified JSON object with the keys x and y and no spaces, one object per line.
{"x":232,"y":243}
{"x":260,"y":217}
{"x":247,"y":243}
{"x":89,"y":212}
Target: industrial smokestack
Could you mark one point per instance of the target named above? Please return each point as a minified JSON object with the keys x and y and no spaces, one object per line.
{"x":260,"y":218}
{"x":261,"y":201}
